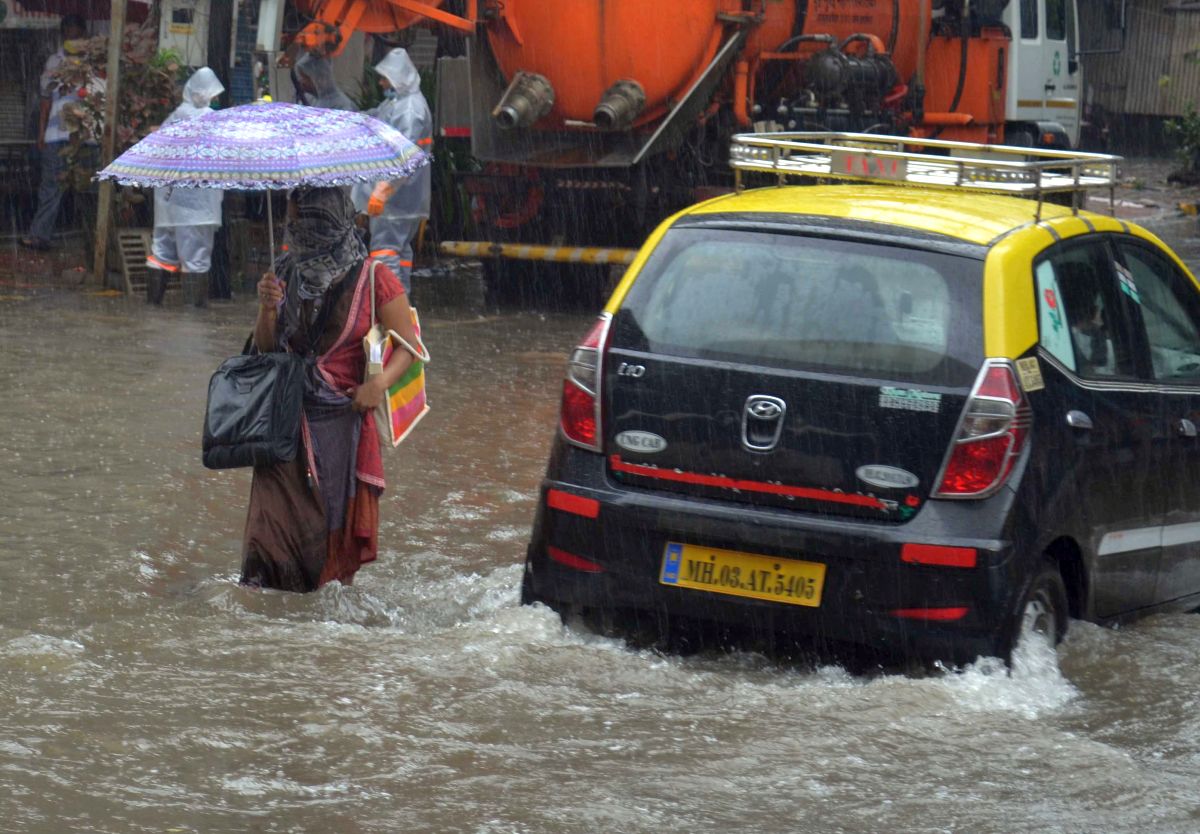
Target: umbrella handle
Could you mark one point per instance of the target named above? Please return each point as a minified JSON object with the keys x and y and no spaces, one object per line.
{"x":270,"y":233}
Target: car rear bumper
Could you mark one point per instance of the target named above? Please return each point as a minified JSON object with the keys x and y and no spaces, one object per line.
{"x":614,"y":551}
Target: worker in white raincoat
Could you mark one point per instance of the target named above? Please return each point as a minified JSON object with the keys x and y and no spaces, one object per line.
{"x":397,"y":207}
{"x":185,"y":219}
{"x":315,"y":75}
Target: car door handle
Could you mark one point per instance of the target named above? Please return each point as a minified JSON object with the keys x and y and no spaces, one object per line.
{"x":1186,"y":427}
{"x":1078,"y":420}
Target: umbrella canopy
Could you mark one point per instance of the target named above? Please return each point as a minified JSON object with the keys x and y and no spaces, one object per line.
{"x":262,"y":146}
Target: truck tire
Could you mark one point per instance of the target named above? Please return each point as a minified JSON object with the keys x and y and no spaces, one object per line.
{"x":1021,"y":138}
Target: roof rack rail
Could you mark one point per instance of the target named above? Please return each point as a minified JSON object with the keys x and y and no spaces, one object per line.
{"x":925,"y":163}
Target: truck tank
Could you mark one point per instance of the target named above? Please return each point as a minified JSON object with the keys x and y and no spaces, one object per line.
{"x":617,"y":64}
{"x":583,"y":49}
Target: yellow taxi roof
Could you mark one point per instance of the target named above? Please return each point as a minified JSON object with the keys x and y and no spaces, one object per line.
{"x":972,"y":217}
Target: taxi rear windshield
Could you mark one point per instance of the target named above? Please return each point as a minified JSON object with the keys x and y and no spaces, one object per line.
{"x":809,"y":303}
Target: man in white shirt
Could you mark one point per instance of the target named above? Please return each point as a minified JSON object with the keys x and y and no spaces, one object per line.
{"x":53,"y":136}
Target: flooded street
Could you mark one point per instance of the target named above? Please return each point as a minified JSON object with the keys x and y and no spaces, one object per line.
{"x":143,"y":690}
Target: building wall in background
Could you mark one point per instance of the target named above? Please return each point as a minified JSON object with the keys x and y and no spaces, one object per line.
{"x":1157,"y":73}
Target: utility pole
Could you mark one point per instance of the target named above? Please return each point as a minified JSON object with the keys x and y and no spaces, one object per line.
{"x":108,"y":141}
{"x":220,"y":47}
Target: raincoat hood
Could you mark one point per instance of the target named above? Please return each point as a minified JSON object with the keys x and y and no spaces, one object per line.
{"x":175,"y":207}
{"x":406,"y":110}
{"x":202,"y":88}
{"x":400,"y":71}
{"x":326,"y":92}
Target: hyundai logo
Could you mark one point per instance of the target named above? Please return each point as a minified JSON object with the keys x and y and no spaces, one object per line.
{"x":765,"y":409}
{"x":762,"y":422}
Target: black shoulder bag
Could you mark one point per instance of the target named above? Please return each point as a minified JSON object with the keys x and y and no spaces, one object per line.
{"x":256,"y":401}
{"x":254,"y":406}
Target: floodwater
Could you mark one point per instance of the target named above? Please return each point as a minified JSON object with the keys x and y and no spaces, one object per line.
{"x":143,"y":690}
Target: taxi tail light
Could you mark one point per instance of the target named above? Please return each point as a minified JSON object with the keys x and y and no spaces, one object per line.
{"x":579,"y":416}
{"x":991,"y":434}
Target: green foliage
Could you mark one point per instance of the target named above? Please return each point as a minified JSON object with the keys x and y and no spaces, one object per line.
{"x":148,"y":94}
{"x":451,"y":204}
{"x":370,"y":94}
{"x":1185,"y":133}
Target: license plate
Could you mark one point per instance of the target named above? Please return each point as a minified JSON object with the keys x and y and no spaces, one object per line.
{"x":739,"y":574}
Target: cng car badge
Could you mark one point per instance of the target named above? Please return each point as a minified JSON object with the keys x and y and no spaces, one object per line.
{"x":887,"y":477}
{"x":641,"y":441}
{"x":762,"y":422}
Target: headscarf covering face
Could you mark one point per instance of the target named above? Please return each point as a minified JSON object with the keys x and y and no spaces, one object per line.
{"x":322,"y":240}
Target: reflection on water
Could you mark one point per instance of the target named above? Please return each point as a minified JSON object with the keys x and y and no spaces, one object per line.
{"x":143,"y":690}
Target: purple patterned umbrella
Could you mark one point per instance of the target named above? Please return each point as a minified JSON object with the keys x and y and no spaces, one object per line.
{"x":257,"y":146}
{"x":268,"y":146}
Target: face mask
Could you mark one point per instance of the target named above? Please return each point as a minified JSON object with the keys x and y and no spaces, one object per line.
{"x":314,"y":264}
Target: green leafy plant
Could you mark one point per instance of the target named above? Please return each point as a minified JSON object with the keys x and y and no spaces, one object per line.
{"x":1185,"y":133}
{"x":148,"y":94}
{"x":369,"y":94}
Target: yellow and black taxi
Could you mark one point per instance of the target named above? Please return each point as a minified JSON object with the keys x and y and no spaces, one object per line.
{"x":913,"y":414}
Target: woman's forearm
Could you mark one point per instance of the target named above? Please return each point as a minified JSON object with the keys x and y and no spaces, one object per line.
{"x":397,"y":315}
{"x":398,"y":363}
{"x":264,"y":329}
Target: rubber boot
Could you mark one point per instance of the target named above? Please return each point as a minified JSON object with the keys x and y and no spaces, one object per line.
{"x":195,"y":287}
{"x":156,"y":286}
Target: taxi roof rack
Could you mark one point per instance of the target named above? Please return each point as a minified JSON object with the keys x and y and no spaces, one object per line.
{"x":906,"y":160}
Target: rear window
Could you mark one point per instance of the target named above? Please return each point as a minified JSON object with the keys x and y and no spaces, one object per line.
{"x":808,"y":303}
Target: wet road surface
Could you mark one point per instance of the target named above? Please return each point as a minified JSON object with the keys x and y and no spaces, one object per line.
{"x":142,"y":690}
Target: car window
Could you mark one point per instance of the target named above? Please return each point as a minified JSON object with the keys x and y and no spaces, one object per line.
{"x":1081,"y":318}
{"x":1056,"y":20}
{"x":1170,"y":306}
{"x":814,"y":303}
{"x":1029,"y":19}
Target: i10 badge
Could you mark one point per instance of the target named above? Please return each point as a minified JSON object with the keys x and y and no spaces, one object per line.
{"x":641,"y":441}
{"x":887,"y":477}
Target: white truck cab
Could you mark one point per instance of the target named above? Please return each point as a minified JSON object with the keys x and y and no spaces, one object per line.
{"x":1045,"y":81}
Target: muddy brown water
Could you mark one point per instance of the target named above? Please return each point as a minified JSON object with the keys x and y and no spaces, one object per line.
{"x":142,"y":690}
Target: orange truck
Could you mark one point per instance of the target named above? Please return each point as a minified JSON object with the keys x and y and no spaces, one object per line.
{"x":593,"y":119}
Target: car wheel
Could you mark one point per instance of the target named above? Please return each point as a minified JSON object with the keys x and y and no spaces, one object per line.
{"x":1042,"y":614}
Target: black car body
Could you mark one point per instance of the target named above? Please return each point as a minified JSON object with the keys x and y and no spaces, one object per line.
{"x":873,"y":417}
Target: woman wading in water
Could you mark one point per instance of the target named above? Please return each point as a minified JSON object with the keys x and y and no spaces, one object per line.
{"x":316,"y":518}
